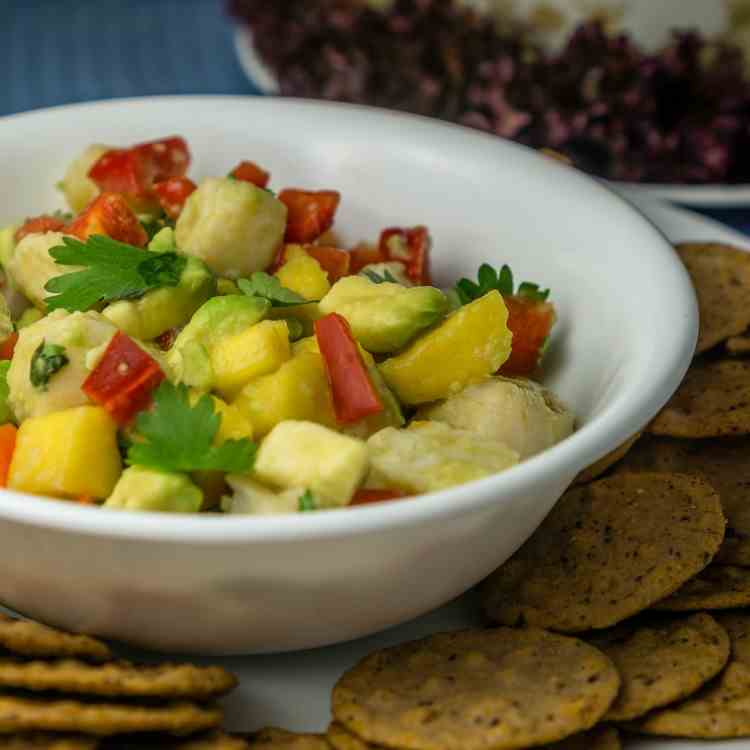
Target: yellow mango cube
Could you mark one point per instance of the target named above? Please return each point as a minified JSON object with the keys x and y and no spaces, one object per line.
{"x":303,"y":274}
{"x":67,"y":454}
{"x":235,"y":424}
{"x":464,"y":349}
{"x":297,"y":390}
{"x":258,"y":350}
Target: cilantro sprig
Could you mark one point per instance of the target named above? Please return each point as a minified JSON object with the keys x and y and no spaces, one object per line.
{"x":45,"y":362}
{"x":488,"y":280}
{"x":377,"y":278}
{"x":261,"y":284}
{"x":307,"y":502}
{"x":175,"y":436}
{"x":111,"y":271}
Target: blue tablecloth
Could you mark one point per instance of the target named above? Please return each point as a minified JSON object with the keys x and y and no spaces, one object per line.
{"x":59,"y":51}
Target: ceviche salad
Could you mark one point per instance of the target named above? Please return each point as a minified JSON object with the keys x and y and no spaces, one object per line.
{"x":175,"y":347}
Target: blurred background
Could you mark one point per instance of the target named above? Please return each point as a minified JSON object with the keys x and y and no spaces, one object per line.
{"x":641,"y":91}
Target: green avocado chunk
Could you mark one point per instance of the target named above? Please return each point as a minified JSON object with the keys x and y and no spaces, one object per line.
{"x":6,"y":414}
{"x":384,"y":317}
{"x":146,"y":489}
{"x":189,"y":359}
{"x":7,"y":243}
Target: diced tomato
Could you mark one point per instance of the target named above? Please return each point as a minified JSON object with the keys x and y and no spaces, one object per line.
{"x":364,"y":255}
{"x":364,"y":497}
{"x":8,"y":346}
{"x":173,"y":193}
{"x":310,"y":214}
{"x":410,"y":247}
{"x":109,"y":214}
{"x":132,"y":172}
{"x":39,"y":225}
{"x":354,"y":395}
{"x":8,"y":433}
{"x":249,"y":171}
{"x":123,"y":379}
{"x":166,"y":340}
{"x":333,"y":261}
{"x":530,"y":322}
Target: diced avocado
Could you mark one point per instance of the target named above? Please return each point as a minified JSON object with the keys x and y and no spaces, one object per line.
{"x":29,"y":317}
{"x":189,"y":358}
{"x":6,"y":413}
{"x":78,"y":334}
{"x":7,"y":243}
{"x":298,"y":390}
{"x":430,"y":456}
{"x":304,"y":454}
{"x":303,"y":274}
{"x":163,"y":241}
{"x":232,"y":225}
{"x":149,"y":490}
{"x":305,"y":314}
{"x":520,"y":413}
{"x":252,"y":498}
{"x":227,"y":286}
{"x":161,"y":309}
{"x":384,"y":317}
{"x":465,"y":348}
{"x":6,"y":324}
{"x":78,"y":188}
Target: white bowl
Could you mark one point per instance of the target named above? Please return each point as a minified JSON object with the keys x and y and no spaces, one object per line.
{"x":627,"y":329}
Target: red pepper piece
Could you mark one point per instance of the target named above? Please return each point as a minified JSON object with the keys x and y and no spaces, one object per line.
{"x":364,"y":255}
{"x":39,"y":225}
{"x":173,"y":193}
{"x":310,"y":214}
{"x":354,"y":395}
{"x":249,"y":171}
{"x":8,"y":346}
{"x":8,"y":434}
{"x":364,"y":497}
{"x":109,"y":214}
{"x":410,"y":247}
{"x":530,"y":322}
{"x":333,"y":261}
{"x":123,"y":379}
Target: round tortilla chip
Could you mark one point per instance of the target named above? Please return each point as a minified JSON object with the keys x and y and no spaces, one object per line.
{"x":212,"y":741}
{"x":117,"y":678}
{"x":717,"y":587}
{"x":43,"y":741}
{"x":607,"y":551}
{"x":340,"y":738}
{"x":271,"y":738}
{"x":712,"y":401}
{"x":476,"y":689}
{"x":739,"y":346}
{"x":101,"y":719}
{"x":603,"y":464}
{"x":722,"y":708}
{"x":661,"y":660}
{"x":723,"y":462}
{"x":27,"y":638}
{"x":721,"y":277}
{"x":601,"y":738}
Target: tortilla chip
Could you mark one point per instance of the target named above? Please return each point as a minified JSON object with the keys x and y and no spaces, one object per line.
{"x":712,"y":401}
{"x":739,"y":346}
{"x":717,"y":587}
{"x":721,"y":277}
{"x":212,"y":741}
{"x":42,"y":741}
{"x":272,"y":738}
{"x":603,"y":464}
{"x":476,"y":689}
{"x":601,"y":738}
{"x":607,"y":551}
{"x":27,"y":638}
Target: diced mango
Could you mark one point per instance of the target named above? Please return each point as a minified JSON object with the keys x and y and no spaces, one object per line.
{"x":67,"y":454}
{"x":303,"y":274}
{"x":149,"y":490}
{"x":257,"y":351}
{"x":78,"y":188}
{"x":297,"y":390}
{"x":303,"y":454}
{"x":235,"y":424}
{"x":465,"y":348}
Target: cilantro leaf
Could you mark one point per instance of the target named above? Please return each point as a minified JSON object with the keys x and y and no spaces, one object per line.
{"x":377,"y":278}
{"x":111,"y":271}
{"x":264,"y":285}
{"x":307,"y":502}
{"x":488,"y":280}
{"x":45,"y":362}
{"x":175,"y":436}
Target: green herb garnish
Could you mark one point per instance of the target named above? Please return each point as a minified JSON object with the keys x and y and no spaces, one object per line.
{"x":45,"y":362}
{"x":175,"y":436}
{"x":261,"y":284}
{"x":307,"y":502}
{"x":488,"y":280}
{"x":112,"y":271}
{"x":377,"y":278}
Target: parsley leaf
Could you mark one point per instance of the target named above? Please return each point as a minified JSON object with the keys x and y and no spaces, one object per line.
{"x":175,"y":436}
{"x":488,"y":279}
{"x":376,"y":278}
{"x":45,"y":362}
{"x":264,"y":285}
{"x":112,"y":271}
{"x":307,"y":502}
